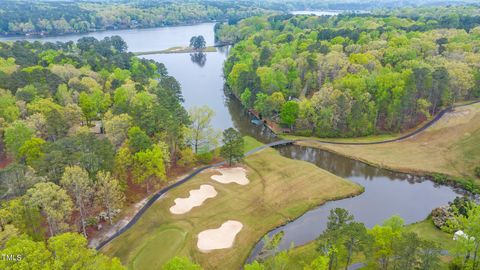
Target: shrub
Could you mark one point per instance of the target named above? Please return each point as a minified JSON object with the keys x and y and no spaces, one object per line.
{"x":304,"y":133}
{"x":441,"y":215}
{"x":205,"y":158}
{"x":469,"y":185}
{"x":440,"y":178}
{"x":187,"y":157}
{"x":477,"y":171}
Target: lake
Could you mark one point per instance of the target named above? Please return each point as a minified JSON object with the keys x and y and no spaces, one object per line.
{"x":316,"y":12}
{"x":140,"y":40}
{"x":201,"y":78}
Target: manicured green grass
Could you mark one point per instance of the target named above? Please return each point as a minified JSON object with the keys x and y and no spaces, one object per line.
{"x":280,"y":189}
{"x":427,"y":231}
{"x":153,"y":252}
{"x":250,"y":143}
{"x":451,"y":146}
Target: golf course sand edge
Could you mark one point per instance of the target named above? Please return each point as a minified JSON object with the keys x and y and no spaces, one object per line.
{"x":219,"y":238}
{"x":232,"y":175}
{"x":197,"y":197}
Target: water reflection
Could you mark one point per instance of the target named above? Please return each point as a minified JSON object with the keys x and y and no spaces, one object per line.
{"x":140,"y":40}
{"x":199,"y":58}
{"x":343,"y":166}
{"x":386,"y":193}
{"x":241,"y":121}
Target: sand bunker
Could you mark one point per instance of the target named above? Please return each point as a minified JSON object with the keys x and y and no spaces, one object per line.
{"x":232,"y":175}
{"x":196,"y":198}
{"x":220,"y":238}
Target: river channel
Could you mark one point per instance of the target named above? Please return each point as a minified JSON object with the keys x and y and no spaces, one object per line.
{"x":386,"y":193}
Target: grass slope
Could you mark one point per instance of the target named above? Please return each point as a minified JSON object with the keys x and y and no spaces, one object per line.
{"x":451,"y":146}
{"x":250,"y":143}
{"x":281,"y":189}
{"x":427,"y":230}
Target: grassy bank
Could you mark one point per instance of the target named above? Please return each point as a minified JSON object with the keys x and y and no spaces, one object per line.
{"x":427,"y":231}
{"x":280,"y":189}
{"x":177,"y":50}
{"x":451,"y":147}
{"x":250,"y":143}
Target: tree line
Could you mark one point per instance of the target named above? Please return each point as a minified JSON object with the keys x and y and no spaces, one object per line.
{"x":350,"y":75}
{"x":56,"y":18}
{"x":82,"y":122}
{"x":387,"y":246}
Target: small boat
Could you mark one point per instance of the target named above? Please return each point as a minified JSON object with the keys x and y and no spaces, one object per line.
{"x":256,"y":122}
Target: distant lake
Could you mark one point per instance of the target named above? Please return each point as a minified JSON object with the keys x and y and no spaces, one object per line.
{"x":200,"y":77}
{"x":316,"y":12}
{"x":139,"y":40}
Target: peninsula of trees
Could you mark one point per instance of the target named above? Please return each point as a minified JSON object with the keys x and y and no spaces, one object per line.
{"x":352,"y":75}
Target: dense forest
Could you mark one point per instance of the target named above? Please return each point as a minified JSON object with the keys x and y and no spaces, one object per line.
{"x":64,"y":17}
{"x":79,"y":121}
{"x":353,"y":75}
{"x":53,"y":18}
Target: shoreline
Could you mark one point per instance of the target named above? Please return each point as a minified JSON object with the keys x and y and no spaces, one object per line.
{"x":27,"y":36}
{"x":451,"y":181}
{"x":174,"y":50}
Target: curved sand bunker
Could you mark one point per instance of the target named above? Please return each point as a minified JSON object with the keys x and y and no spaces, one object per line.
{"x":232,"y":175}
{"x":220,"y":238}
{"x":196,"y":198}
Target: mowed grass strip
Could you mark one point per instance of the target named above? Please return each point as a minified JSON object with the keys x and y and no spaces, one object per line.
{"x":250,"y":143}
{"x":280,"y":189}
{"x":451,"y":146}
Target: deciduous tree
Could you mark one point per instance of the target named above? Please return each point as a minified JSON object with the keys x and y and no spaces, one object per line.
{"x":77,"y":182}
{"x":54,"y":203}
{"x":109,"y":193}
{"x":201,"y":134}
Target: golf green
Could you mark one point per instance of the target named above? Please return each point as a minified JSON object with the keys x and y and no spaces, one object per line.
{"x":153,"y":254}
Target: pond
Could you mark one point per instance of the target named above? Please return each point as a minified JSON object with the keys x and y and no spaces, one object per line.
{"x":386,"y":193}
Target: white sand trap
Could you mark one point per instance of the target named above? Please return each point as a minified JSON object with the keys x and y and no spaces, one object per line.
{"x":220,"y":238}
{"x":196,"y":198}
{"x":232,"y":175}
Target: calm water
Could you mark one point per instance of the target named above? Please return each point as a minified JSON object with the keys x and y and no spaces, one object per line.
{"x":200,"y":76}
{"x":202,"y":82}
{"x":386,"y":193}
{"x":141,"y":40}
{"x":316,"y":12}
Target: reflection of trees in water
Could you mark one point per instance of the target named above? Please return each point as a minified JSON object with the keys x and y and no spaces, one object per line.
{"x":224,"y":49}
{"x":342,"y":166}
{"x":241,"y":121}
{"x":199,"y":58}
